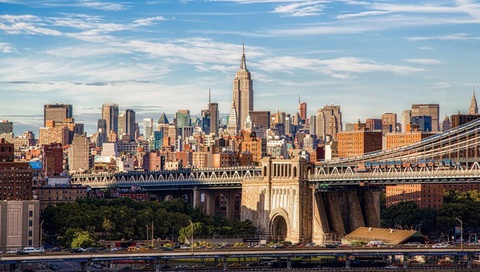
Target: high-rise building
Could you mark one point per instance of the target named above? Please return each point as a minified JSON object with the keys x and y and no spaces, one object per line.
{"x":20,"y":221}
{"x":389,"y":122}
{"x":79,"y":154}
{"x":329,"y":122}
{"x":373,"y":124}
{"x":312,"y":124}
{"x":182,"y":118}
{"x":302,"y":111}
{"x":473,"y":105}
{"x":406,"y":119}
{"x":242,"y":92}
{"x":6,"y":127}
{"x":56,"y":113}
{"x":126,"y":125}
{"x":428,"y":110}
{"x":110,"y":114}
{"x":358,"y":142}
{"x":52,"y":160}
{"x":214,"y":117}
{"x":446,"y":124}
{"x":421,"y":123}
{"x":147,"y":128}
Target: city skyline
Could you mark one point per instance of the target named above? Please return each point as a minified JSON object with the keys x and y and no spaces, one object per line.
{"x":157,"y":56}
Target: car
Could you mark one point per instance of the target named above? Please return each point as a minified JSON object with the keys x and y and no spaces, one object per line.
{"x":167,"y":248}
{"x":53,"y":267}
{"x":77,"y":250}
{"x":184,"y":247}
{"x":330,"y":246}
{"x":97,"y":265}
{"x":198,"y":266}
{"x":441,"y":245}
{"x":181,"y":266}
{"x":126,"y":268}
{"x":12,"y":251}
{"x":22,"y":252}
{"x":391,"y":267}
{"x":165,"y":267}
{"x":234,"y":265}
{"x":55,"y":249}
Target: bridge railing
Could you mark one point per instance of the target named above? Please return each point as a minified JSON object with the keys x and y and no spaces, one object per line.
{"x":397,"y":175}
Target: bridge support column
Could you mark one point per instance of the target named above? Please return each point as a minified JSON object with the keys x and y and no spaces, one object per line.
{"x":469,"y":260}
{"x":230,"y":205}
{"x":355,"y":220}
{"x":12,"y":267}
{"x":335,"y":217}
{"x":319,"y":219}
{"x":83,"y":266}
{"x":289,"y":263}
{"x":196,"y":202}
{"x":210,"y":203}
{"x":405,"y":260}
{"x":371,"y":207}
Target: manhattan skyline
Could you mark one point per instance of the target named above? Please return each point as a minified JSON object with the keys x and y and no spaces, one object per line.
{"x":160,"y":56}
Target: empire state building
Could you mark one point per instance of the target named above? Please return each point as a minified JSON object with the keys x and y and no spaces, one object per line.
{"x":242,"y":92}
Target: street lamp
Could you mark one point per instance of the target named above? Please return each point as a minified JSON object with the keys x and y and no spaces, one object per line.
{"x":461,"y":233}
{"x":191,"y":246}
{"x":152,"y":234}
{"x":147,"y":231}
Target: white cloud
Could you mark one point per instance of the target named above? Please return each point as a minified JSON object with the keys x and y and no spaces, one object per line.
{"x":450,"y":37}
{"x":105,"y":6}
{"x":148,"y":21}
{"x":423,"y":61}
{"x":442,"y":85}
{"x":6,"y":48}
{"x":300,"y":9}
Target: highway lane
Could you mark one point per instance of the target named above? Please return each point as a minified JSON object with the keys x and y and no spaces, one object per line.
{"x":234,"y":253}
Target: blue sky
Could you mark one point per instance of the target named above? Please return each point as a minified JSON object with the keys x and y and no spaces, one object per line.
{"x":369,"y":57}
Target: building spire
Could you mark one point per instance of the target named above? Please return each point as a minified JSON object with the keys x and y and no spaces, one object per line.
{"x":243,"y":63}
{"x":473,"y":104}
{"x":209,"y":93}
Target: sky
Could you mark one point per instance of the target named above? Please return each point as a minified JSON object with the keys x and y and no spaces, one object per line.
{"x":154,"y":56}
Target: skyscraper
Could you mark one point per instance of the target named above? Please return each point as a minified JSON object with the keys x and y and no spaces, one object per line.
{"x":110,"y":114}
{"x":329,"y":122}
{"x":389,"y":122}
{"x":473,"y":104}
{"x":56,"y":113}
{"x":428,"y":110}
{"x":242,"y":92}
{"x":302,"y":111}
{"x":126,"y":124}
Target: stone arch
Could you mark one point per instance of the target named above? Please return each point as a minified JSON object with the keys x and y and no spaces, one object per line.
{"x":279,"y":225}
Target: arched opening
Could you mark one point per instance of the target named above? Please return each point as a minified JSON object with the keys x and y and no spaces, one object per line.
{"x":279,"y":229}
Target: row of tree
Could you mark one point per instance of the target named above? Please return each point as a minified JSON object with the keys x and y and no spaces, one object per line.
{"x":457,"y":207}
{"x":127,"y":219}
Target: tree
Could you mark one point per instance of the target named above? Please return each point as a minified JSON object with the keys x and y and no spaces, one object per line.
{"x":82,"y":239}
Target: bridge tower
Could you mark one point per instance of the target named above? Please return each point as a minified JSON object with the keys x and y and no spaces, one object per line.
{"x":280,"y":201}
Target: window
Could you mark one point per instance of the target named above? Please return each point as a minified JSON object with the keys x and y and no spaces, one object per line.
{"x":30,"y":223}
{"x":30,"y":213}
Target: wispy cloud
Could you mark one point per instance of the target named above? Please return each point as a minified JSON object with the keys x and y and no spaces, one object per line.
{"x":423,"y":61}
{"x":450,"y":37}
{"x":149,"y":21}
{"x":301,"y":8}
{"x":6,"y":48}
{"x":342,"y":68}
